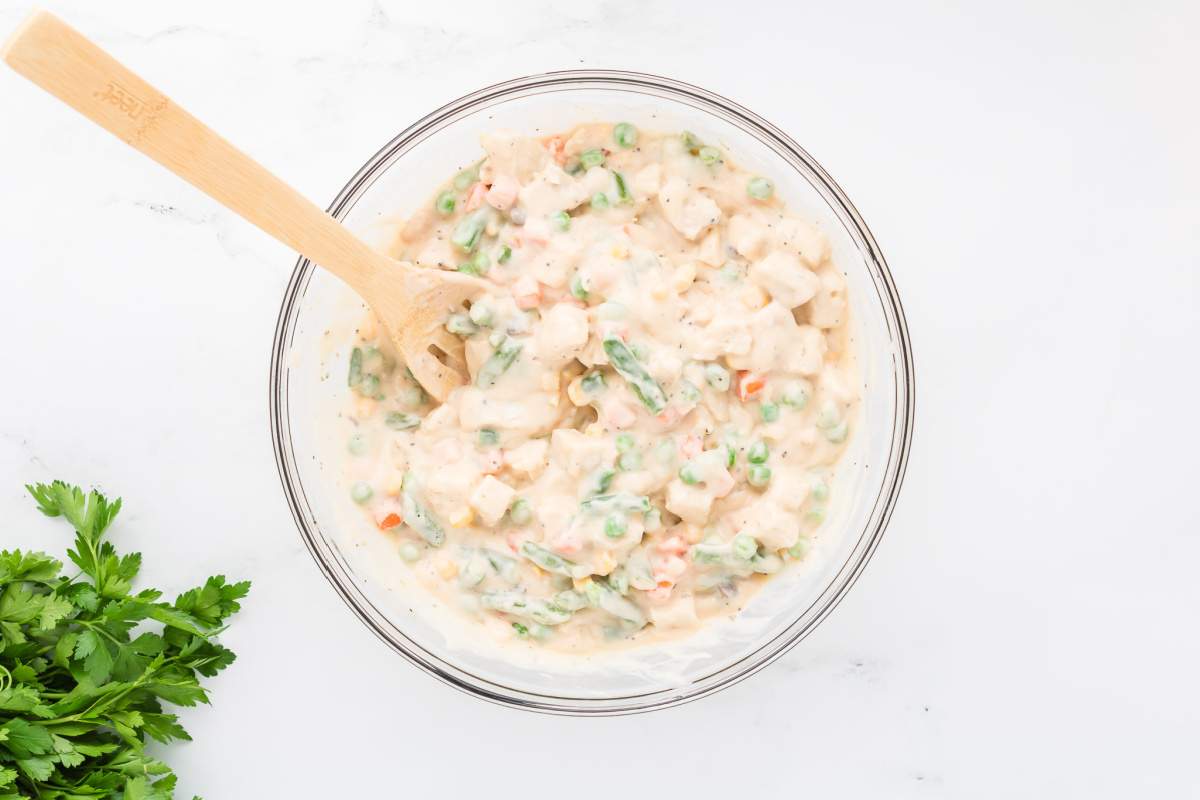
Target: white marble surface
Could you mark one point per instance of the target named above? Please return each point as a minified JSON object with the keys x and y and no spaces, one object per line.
{"x":1027,"y":628}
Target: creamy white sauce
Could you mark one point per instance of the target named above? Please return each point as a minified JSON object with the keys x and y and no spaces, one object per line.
{"x":661,"y":385}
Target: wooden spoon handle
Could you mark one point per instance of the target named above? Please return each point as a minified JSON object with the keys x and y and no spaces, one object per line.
{"x":59,"y":59}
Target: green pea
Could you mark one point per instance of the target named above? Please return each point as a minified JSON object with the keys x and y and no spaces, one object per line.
{"x":361,"y":492}
{"x":445,"y":203}
{"x":758,"y":453}
{"x":710,"y":156}
{"x":717,"y":377}
{"x":796,"y":394}
{"x":486,"y":437}
{"x":520,"y":512}
{"x":357,"y":445}
{"x":628,"y":462}
{"x":561,"y":221}
{"x":591,"y":158}
{"x":768,"y":411}
{"x":600,"y":201}
{"x":370,"y":386}
{"x":625,"y":442}
{"x":815,"y":515}
{"x":820,"y":489}
{"x":615,"y":526}
{"x":481,"y":313}
{"x":745,"y":547}
{"x":410,"y":552}
{"x":800,"y":548}
{"x":758,"y":475}
{"x":625,"y":135}
{"x":760,"y":188}
{"x":837,"y":434}
{"x":689,"y":473}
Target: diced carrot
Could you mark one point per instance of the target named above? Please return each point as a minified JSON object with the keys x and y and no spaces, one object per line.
{"x":390,"y":521}
{"x":555,"y":146}
{"x":475,"y":196}
{"x":749,"y":385}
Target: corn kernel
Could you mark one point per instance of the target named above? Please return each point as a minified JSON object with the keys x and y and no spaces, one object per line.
{"x":621,"y":252}
{"x":659,"y":292}
{"x":447,"y":569}
{"x":753,"y":296}
{"x":581,"y":584}
{"x":462,"y":517}
{"x":393,"y":485}
{"x":684,"y":277}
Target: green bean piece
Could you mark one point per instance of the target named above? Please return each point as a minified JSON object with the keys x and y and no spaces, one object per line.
{"x":580,"y":287}
{"x":505,"y":254}
{"x":550,"y":561}
{"x":652,"y":521}
{"x":600,"y":481}
{"x":623,"y":194}
{"x":591,"y":158}
{"x":625,"y":442}
{"x":600,"y":201}
{"x":356,"y":370}
{"x":498,"y":363}
{"x":623,"y":501}
{"x":445,"y":203}
{"x":399,"y":421}
{"x":518,"y":604}
{"x":759,"y":452}
{"x":606,"y":598}
{"x":766,"y":563}
{"x":520,"y":629}
{"x":643,"y":385}
{"x":469,"y":230}
{"x":461,"y":325}
{"x":371,"y":386}
{"x":717,"y":377}
{"x":570,"y":600}
{"x":419,"y":519}
{"x":629,"y":462}
{"x":504,"y":566}
{"x":625,"y":135}
{"x":361,"y":492}
{"x":759,"y":475}
{"x":745,"y":547}
{"x":760,"y":188}
{"x":573,"y":167}
{"x":688,"y":392}
{"x":486,"y":437}
{"x":709,"y":156}
{"x":592,"y":383}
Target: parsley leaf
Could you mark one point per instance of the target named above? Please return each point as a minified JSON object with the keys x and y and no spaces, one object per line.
{"x":86,"y":665}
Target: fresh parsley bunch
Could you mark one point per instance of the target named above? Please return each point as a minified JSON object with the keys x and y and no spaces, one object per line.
{"x":86,"y":665}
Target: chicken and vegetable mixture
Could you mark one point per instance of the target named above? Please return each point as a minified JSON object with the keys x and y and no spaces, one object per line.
{"x":661,"y":383}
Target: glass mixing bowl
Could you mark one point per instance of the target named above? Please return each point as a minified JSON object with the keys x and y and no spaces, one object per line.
{"x":307,"y":362}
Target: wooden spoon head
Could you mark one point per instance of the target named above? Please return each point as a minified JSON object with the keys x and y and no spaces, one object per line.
{"x":413,"y":304}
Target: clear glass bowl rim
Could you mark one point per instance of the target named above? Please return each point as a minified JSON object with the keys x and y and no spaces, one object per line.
{"x":902,"y":423}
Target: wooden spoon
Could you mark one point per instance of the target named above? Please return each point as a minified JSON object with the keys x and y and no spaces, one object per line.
{"x":411,"y":303}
